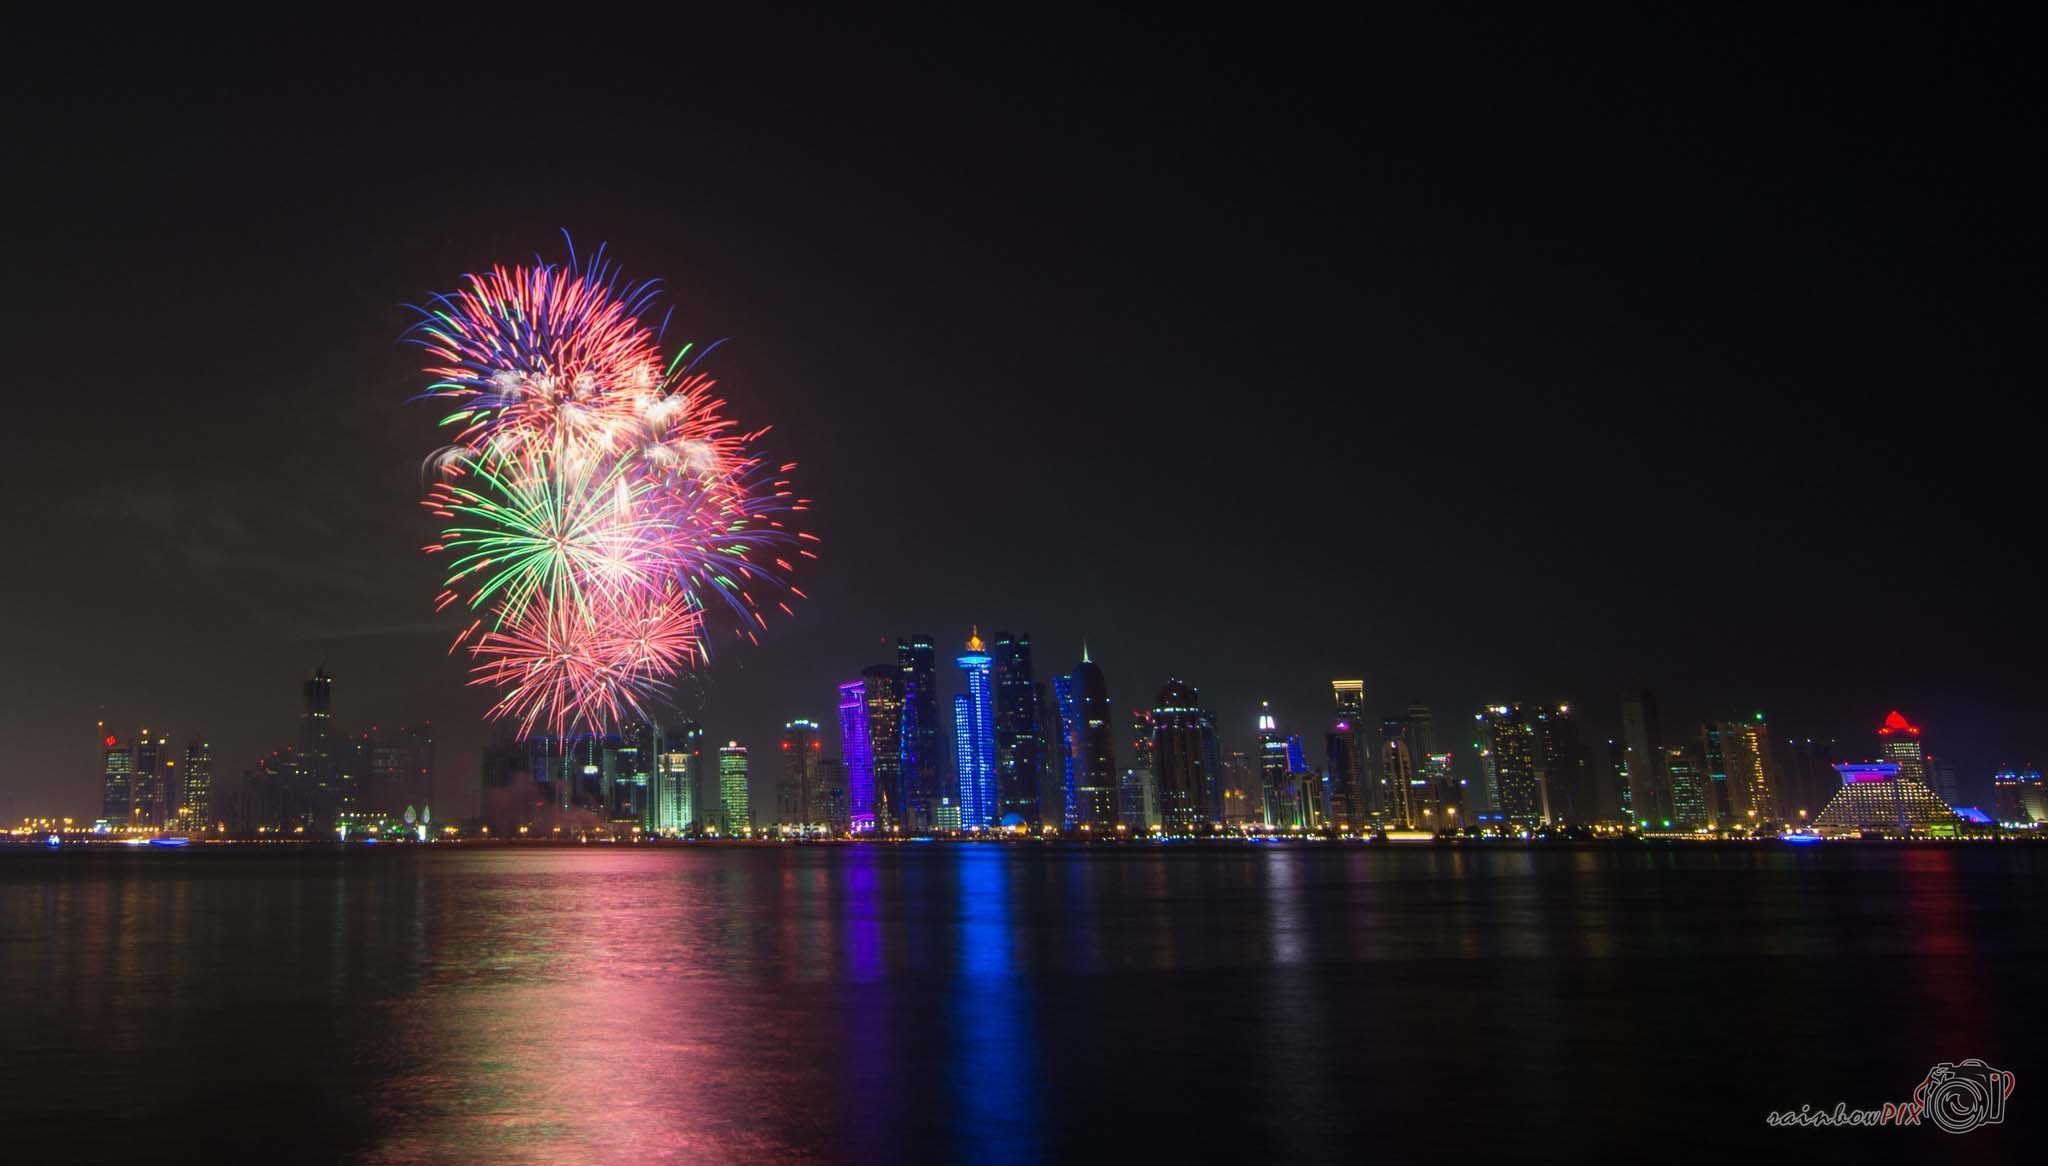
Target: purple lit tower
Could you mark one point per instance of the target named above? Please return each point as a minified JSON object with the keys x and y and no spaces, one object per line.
{"x":858,"y":748}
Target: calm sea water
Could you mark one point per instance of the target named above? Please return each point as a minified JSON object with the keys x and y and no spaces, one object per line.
{"x":980,"y":1003}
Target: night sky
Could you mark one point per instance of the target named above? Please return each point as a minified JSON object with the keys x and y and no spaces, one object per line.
{"x":1487,"y":361}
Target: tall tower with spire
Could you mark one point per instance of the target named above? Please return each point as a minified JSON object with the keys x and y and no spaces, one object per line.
{"x":974,"y":737}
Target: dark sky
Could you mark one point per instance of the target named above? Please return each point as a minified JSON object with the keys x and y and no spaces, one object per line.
{"x":1485,"y":360}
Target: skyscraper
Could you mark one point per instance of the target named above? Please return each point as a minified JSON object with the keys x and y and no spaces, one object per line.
{"x":1345,"y":757}
{"x":1807,"y":776}
{"x":735,"y":812}
{"x":796,"y":794}
{"x":323,"y":794}
{"x":1508,"y":747}
{"x":151,"y":782}
{"x":1649,"y":781}
{"x":1397,"y":767}
{"x":885,"y":739}
{"x":1898,"y":741}
{"x":922,"y":763}
{"x":195,"y":788}
{"x":832,"y":801}
{"x":400,"y":770}
{"x":856,"y":745}
{"x":974,"y":739}
{"x":117,"y":783}
{"x":1184,"y":761}
{"x":1563,"y":771}
{"x":1691,"y":788}
{"x":1276,"y":778}
{"x":2017,"y":798}
{"x":1019,"y":743}
{"x":1445,"y":808}
{"x":678,"y":774}
{"x":1138,"y":788}
{"x":1739,"y":766}
{"x":1091,"y":741}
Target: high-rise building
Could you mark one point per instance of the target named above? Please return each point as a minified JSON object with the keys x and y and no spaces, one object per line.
{"x":151,"y":782}
{"x":796,"y":794}
{"x":1277,"y":787}
{"x":1138,"y":788}
{"x":974,"y":738}
{"x":117,"y":783}
{"x":1088,"y":748}
{"x":1184,"y":760}
{"x":833,"y":801}
{"x":2017,"y":798}
{"x":1898,"y":741}
{"x":1740,"y":772}
{"x":398,"y":770}
{"x":1563,"y":771}
{"x":1691,"y":789}
{"x":922,"y":762}
{"x":324,"y":794}
{"x":1941,"y":778}
{"x":1443,"y":808}
{"x":195,"y":787}
{"x":856,"y":746}
{"x":1019,"y":743}
{"x":1642,"y":743}
{"x":1344,"y":757}
{"x":884,"y":684}
{"x":678,"y":775}
{"x":1395,"y":779}
{"x":1243,"y":802}
{"x":1508,"y":755}
{"x":735,"y":811}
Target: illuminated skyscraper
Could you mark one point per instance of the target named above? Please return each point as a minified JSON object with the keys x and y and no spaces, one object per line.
{"x":922,"y":762}
{"x":856,"y":745}
{"x":1396,"y":778}
{"x":151,"y":782}
{"x":884,"y":688}
{"x":1739,"y":768}
{"x":1345,"y":756}
{"x":1642,"y":742}
{"x":1444,"y":806}
{"x":1020,"y":750}
{"x":1898,"y":741}
{"x":1691,"y":787}
{"x":318,"y":771}
{"x":1184,"y":761}
{"x":195,"y":786}
{"x":735,"y":812}
{"x":1508,"y":752}
{"x":796,"y":795}
{"x":974,"y":739}
{"x":678,"y":774}
{"x":1277,"y":786}
{"x":1089,"y":747}
{"x":117,"y":783}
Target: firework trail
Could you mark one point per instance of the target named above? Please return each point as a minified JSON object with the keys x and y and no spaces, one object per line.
{"x":597,"y":501}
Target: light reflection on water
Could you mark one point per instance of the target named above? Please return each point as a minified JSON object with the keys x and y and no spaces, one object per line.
{"x":939,"y":1003}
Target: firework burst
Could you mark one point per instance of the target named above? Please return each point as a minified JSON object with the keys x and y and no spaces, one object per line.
{"x":595,"y":496}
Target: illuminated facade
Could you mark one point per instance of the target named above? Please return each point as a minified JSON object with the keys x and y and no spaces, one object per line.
{"x":1089,"y":729}
{"x":117,"y":783}
{"x":1898,"y":741}
{"x":678,"y":777}
{"x":1878,"y":798}
{"x":2017,"y":798}
{"x":735,"y":812}
{"x":1138,"y":789}
{"x":1740,"y":769}
{"x":1692,"y":789}
{"x":1394,"y":784}
{"x":884,"y":693}
{"x":195,"y":786}
{"x":152,"y":781}
{"x":1276,"y":778}
{"x":1508,"y":755}
{"x":922,"y":762}
{"x":1445,"y":808}
{"x":1344,"y":756}
{"x":796,"y":796}
{"x":974,"y":739}
{"x":1020,"y":745}
{"x":856,"y":746}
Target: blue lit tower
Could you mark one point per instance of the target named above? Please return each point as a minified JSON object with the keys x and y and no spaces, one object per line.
{"x":918,"y":747}
{"x":1019,"y":746}
{"x":1087,"y":748}
{"x":974,"y":738}
{"x":1066,"y":724}
{"x":856,"y":743}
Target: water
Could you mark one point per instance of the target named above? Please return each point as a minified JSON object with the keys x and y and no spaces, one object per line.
{"x":979,"y":1003}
